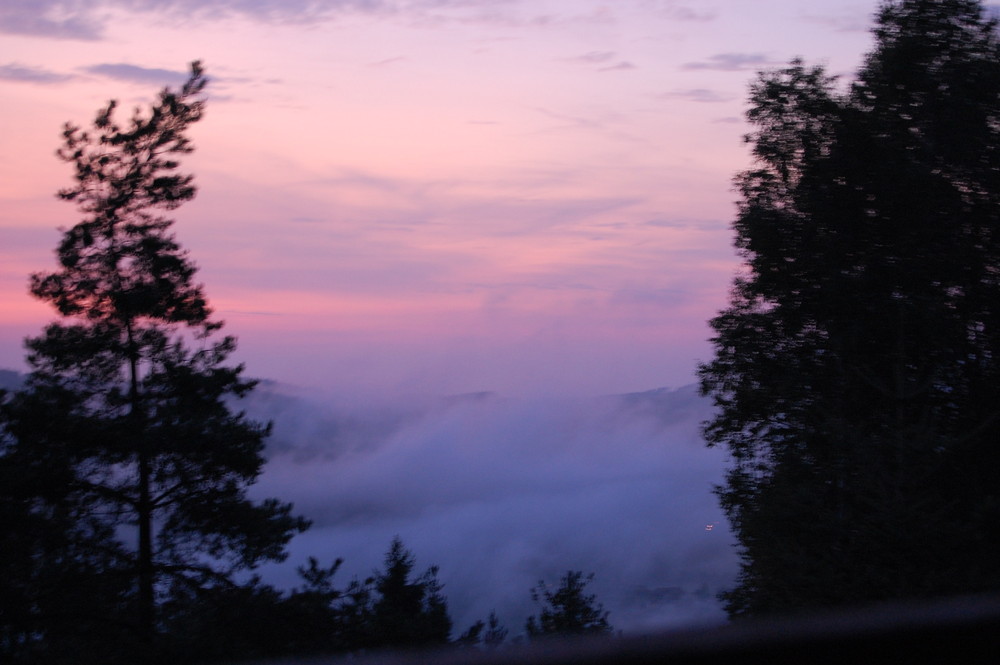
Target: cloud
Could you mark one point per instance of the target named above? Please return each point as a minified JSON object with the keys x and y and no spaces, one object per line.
{"x":732,"y":62}
{"x":594,"y":57}
{"x":688,"y":14}
{"x":609,"y":123}
{"x":702,"y":95}
{"x":76,"y":19}
{"x":23,"y":74}
{"x":661,"y":298}
{"x":54,"y":19}
{"x":501,"y":492}
{"x":264,"y":10}
{"x":679,"y":11}
{"x":605,"y":58}
{"x":688,"y":223}
{"x":83,"y":19}
{"x":136,"y":74}
{"x":850,"y":22}
{"x":388,"y":61}
{"x":500,"y":13}
{"x":621,"y":66}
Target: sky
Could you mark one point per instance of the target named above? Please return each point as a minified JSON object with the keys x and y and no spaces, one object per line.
{"x":426,"y":196}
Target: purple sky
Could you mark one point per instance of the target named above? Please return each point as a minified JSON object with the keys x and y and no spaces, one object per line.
{"x":427,"y":195}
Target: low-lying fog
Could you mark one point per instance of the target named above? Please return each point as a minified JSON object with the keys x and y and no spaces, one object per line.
{"x":502,"y":492}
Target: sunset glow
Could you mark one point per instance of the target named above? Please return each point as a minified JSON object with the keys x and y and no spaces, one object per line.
{"x":421,"y":195}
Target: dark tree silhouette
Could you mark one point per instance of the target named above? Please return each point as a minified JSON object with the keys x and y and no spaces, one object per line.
{"x":496,"y":633}
{"x":61,"y":583}
{"x":488,"y":635}
{"x":392,"y":609}
{"x":253,"y":621}
{"x":856,"y":366}
{"x":408,"y":612}
{"x":568,"y":610}
{"x":145,"y":440}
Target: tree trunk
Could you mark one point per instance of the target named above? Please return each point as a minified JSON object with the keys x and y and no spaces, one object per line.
{"x":144,"y":508}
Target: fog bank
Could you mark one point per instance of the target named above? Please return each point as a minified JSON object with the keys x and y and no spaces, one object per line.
{"x":501,"y":492}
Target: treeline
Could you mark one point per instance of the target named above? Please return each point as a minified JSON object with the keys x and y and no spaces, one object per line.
{"x":81,"y":613}
{"x":393,"y":609}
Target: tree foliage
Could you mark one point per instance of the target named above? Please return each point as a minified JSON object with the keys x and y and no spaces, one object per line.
{"x":143,"y":475}
{"x":390,"y":610}
{"x":856,"y":364}
{"x":487,"y":635}
{"x":567,"y":610}
{"x":407,"y":611}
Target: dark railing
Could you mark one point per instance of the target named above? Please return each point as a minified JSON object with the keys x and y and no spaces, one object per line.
{"x":959,"y":631}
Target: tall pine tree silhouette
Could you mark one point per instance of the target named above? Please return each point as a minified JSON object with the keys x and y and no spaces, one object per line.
{"x":128,"y":400}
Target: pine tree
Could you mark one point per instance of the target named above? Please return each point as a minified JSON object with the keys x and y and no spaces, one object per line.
{"x":408,"y":612}
{"x":496,"y":633}
{"x":568,"y":610}
{"x":487,"y":635}
{"x":856,"y":365}
{"x":143,"y":440}
{"x":392,"y":609}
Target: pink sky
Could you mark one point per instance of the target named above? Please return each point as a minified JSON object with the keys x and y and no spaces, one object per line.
{"x":426,"y":195}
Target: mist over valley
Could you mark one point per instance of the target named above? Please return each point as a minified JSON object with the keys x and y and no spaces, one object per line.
{"x":502,"y":492}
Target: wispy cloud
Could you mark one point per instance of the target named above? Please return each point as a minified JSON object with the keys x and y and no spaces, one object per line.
{"x":136,"y":74}
{"x":24,"y":74}
{"x":388,"y":61}
{"x":604,"y":60}
{"x":76,"y":19}
{"x":503,"y":13}
{"x":731,"y":62}
{"x":53,"y":19}
{"x":703,"y":95}
{"x":609,"y":123}
{"x":620,"y":66}
{"x":266,"y":10}
{"x":842,"y":22}
{"x":687,"y":223}
{"x":688,"y":14}
{"x":73,"y":19}
{"x":593,"y":57}
{"x":680,"y":11}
